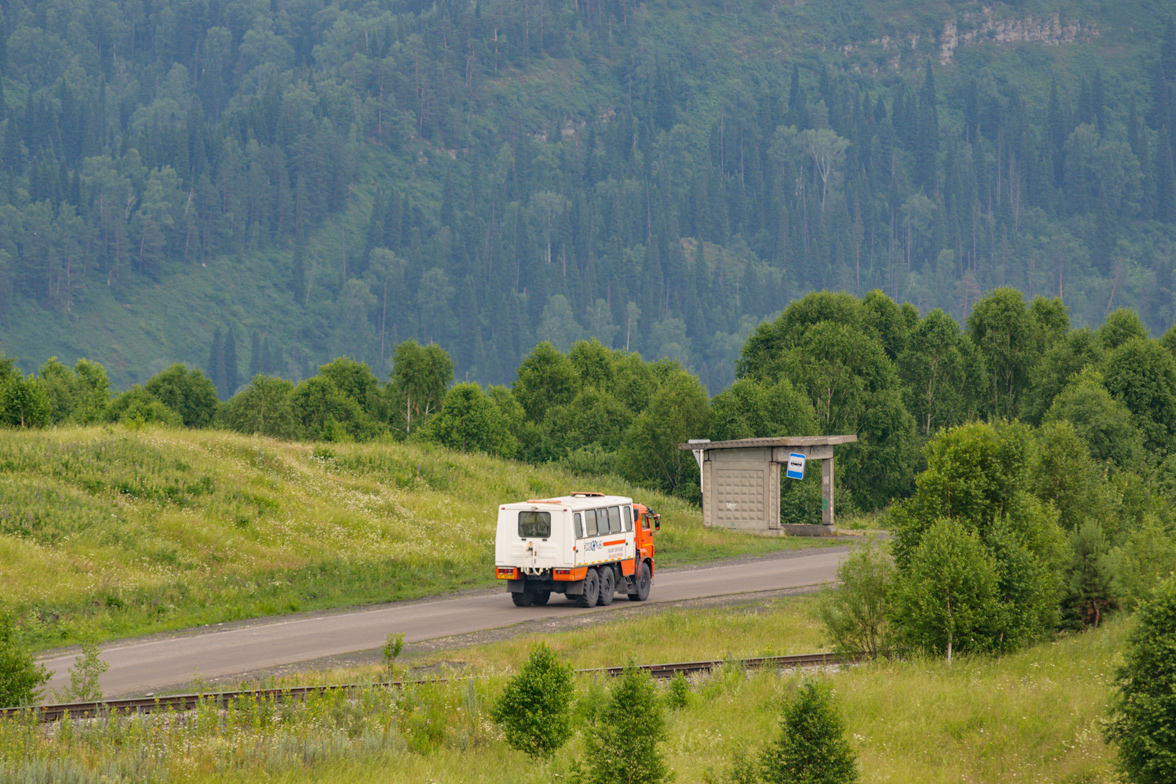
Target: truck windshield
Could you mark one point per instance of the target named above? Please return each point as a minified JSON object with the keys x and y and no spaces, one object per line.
{"x":535,"y":525}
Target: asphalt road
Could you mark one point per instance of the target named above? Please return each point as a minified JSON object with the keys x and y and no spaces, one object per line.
{"x":159,"y":662}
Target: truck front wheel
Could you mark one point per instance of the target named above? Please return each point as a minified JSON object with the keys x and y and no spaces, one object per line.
{"x":643,"y":581}
{"x":591,"y":590}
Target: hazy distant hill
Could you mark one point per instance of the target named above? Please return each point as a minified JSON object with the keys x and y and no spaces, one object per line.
{"x":319,"y":179}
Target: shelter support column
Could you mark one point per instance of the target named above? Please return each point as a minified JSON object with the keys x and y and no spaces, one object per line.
{"x":827,"y":492}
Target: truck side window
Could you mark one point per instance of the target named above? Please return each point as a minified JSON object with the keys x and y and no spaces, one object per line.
{"x":535,"y":525}
{"x":579,"y":527}
{"x":628,"y":511}
{"x":590,"y":522}
{"x":614,"y":519}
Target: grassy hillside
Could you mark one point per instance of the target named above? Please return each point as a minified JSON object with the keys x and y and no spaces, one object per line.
{"x":108,"y":531}
{"x":1033,"y":716}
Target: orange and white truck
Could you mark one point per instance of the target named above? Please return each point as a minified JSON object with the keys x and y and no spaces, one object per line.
{"x":587,"y":546}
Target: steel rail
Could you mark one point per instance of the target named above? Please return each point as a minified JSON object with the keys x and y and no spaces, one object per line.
{"x":185,"y":702}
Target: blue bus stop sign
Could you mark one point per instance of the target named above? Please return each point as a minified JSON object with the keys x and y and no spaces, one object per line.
{"x":795,"y":469}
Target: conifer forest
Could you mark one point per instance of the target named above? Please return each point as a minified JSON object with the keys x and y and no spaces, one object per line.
{"x":263,"y":187}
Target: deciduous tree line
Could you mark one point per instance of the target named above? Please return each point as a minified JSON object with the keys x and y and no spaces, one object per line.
{"x":830,"y":364}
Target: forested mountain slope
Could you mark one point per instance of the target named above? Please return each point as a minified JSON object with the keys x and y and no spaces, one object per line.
{"x":317,"y":179}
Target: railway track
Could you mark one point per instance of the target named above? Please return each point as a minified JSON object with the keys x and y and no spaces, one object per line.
{"x":177,"y":703}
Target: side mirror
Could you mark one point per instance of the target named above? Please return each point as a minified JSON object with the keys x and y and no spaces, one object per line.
{"x":657,"y":522}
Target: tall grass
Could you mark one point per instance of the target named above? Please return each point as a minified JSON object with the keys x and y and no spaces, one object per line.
{"x":106,"y":531}
{"x":1032,"y":716}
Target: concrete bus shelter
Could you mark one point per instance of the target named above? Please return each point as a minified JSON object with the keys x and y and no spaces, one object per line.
{"x":741,"y":481}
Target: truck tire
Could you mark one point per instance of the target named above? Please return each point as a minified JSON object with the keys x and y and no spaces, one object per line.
{"x":591,"y":590}
{"x":541,"y":597}
{"x":608,"y":587}
{"x":523,"y":599}
{"x":643,"y":581}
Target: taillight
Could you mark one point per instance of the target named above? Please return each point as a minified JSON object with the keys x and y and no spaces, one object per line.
{"x":507,"y":573}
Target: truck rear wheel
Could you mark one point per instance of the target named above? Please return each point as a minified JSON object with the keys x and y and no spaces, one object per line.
{"x":591,"y":590}
{"x":530,"y":598}
{"x":643,"y":582}
{"x":608,"y":587}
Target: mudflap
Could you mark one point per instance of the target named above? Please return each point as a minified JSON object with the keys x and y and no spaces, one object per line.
{"x":515,"y":586}
{"x":574,"y":588}
{"x":627,"y":585}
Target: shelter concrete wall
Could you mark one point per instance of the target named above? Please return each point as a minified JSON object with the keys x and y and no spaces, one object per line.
{"x":741,"y":482}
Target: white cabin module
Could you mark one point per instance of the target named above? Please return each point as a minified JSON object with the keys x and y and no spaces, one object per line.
{"x":575,"y":543}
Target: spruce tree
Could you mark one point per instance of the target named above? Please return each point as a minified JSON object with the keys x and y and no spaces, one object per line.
{"x":623,"y":744}
{"x":1165,"y":180}
{"x":811,"y":748}
{"x":255,"y":357}
{"x":1089,"y":583}
{"x":1168,"y":52}
{"x":927,"y":134}
{"x":269,"y":359}
{"x":232,"y":369}
{"x":298,"y":269}
{"x":216,"y":362}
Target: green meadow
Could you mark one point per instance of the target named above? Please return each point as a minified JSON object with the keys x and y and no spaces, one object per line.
{"x":108,"y":531}
{"x":1026,"y":717}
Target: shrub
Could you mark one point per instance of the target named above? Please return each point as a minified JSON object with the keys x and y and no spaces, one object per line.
{"x":23,"y":402}
{"x":623,"y":743}
{"x":1142,"y":561}
{"x":262,"y":407}
{"x":947,"y":600}
{"x":393,"y":645}
{"x":855,"y":612}
{"x":84,"y":675}
{"x":189,"y":393}
{"x":977,"y":482}
{"x":1143,"y":716}
{"x":21,"y":678}
{"x":811,"y":748}
{"x":679,"y":694}
{"x":534,"y":710}
{"x":743,"y":768}
{"x":137,"y":405}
